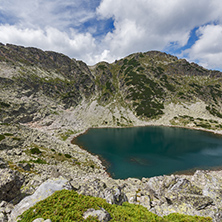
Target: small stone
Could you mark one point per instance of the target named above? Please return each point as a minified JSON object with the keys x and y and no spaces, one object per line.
{"x":55,"y":173}
{"x":8,"y":210}
{"x":102,"y":215}
{"x":38,"y":220}
{"x":3,"y":204}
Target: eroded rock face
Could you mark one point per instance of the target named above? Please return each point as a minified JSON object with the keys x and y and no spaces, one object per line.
{"x":45,"y":190}
{"x":199,"y":194}
{"x":10,"y":184}
{"x":98,"y":188}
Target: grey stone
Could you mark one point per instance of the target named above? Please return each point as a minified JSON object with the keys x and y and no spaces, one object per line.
{"x":44,"y":190}
{"x":25,"y":166}
{"x":2,"y":163}
{"x":102,"y":215}
{"x":55,"y":173}
{"x":98,"y":188}
{"x":38,"y":220}
{"x":10,"y":184}
{"x":3,"y":218}
{"x":3,"y":204}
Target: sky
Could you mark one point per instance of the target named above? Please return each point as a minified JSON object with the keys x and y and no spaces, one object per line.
{"x":107,"y":30}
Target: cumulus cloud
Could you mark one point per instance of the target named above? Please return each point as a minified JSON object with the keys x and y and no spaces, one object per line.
{"x":72,"y":26}
{"x":208,"y":48}
{"x":49,"y":39}
{"x":154,"y":24}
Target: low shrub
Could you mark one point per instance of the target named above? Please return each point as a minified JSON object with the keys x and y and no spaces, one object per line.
{"x":35,"y":150}
{"x":69,"y":206}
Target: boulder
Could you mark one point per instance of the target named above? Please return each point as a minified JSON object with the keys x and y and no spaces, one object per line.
{"x":2,"y":164}
{"x":3,"y":218}
{"x":45,"y":190}
{"x":102,"y":215}
{"x":98,"y":188}
{"x":10,"y":184}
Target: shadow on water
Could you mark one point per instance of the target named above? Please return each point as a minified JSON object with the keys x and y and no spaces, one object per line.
{"x":151,"y":151}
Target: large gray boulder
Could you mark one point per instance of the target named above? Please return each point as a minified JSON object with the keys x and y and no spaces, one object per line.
{"x":10,"y":184}
{"x":44,"y":190}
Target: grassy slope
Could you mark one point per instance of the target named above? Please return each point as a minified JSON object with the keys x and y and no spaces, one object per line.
{"x":69,"y":206}
{"x":146,"y":82}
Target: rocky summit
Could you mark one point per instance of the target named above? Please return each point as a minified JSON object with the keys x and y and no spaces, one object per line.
{"x":46,"y":99}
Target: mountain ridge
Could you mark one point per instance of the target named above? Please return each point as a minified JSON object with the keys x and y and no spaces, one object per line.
{"x":144,"y":83}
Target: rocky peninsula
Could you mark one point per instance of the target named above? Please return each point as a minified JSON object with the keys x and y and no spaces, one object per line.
{"x":47,"y":99}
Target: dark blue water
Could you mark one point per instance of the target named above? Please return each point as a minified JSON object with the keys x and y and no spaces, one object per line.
{"x":152,"y":151}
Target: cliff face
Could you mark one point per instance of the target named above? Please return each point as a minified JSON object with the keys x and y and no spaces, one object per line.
{"x":46,"y":99}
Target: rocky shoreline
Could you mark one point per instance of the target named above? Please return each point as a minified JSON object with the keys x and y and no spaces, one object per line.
{"x":197,"y":194}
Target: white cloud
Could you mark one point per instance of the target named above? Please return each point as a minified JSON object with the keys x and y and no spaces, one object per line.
{"x":77,"y":44}
{"x":208,"y":49}
{"x":59,"y":14}
{"x":152,"y":24}
{"x":138,"y":26}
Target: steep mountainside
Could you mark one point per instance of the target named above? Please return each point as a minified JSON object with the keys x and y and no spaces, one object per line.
{"x":143,"y":84}
{"x":46,"y":99}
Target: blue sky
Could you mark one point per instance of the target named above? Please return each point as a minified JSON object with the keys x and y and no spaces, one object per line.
{"x":106,"y":30}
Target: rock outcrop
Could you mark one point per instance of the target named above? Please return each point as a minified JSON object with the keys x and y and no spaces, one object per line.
{"x":10,"y":184}
{"x":44,"y":190}
{"x":199,"y":194}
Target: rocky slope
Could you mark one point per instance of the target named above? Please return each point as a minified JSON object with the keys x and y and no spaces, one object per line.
{"x":46,"y":99}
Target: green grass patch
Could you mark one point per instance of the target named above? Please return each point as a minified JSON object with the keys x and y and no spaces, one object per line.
{"x":64,"y":136}
{"x":35,"y":150}
{"x":67,"y":155}
{"x":8,"y":134}
{"x":39,"y":161}
{"x":2,"y":137}
{"x":69,"y":206}
{"x":16,"y":138}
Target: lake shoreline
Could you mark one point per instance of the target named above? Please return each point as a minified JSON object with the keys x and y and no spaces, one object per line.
{"x":215,"y":132}
{"x":106,"y":162}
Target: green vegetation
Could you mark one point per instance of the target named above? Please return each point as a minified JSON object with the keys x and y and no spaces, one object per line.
{"x":8,"y":134}
{"x":3,"y":104}
{"x":103,"y":67}
{"x":145,"y":93}
{"x":133,"y":62}
{"x":185,"y":120}
{"x":67,"y":155}
{"x":213,"y":111}
{"x":35,"y":150}
{"x":39,"y":161}
{"x":2,"y":137}
{"x":69,"y":206}
{"x":64,"y":136}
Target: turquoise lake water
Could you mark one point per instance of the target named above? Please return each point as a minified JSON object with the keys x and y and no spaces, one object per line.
{"x":152,"y":151}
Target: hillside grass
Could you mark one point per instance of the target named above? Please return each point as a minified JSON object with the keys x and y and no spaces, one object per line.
{"x":69,"y":206}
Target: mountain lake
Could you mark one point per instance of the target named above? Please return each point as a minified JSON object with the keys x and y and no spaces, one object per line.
{"x":152,"y":151}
